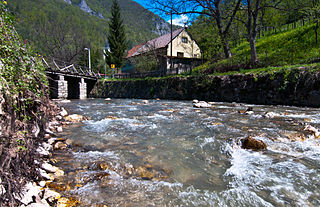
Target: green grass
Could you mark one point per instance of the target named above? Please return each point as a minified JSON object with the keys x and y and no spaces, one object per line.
{"x":292,"y":47}
{"x":314,"y":67}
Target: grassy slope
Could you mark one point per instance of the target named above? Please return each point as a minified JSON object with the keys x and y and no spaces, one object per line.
{"x":296,"y":46}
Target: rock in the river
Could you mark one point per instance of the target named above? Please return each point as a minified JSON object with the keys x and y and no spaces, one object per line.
{"x":76,"y":118}
{"x":145,"y":101}
{"x":270,"y":115}
{"x":49,"y":168}
{"x":51,"y":195}
{"x":248,"y":111}
{"x":202,"y":104}
{"x":63,"y":112}
{"x":67,"y":202}
{"x":253,"y":144}
{"x":313,"y":130}
{"x":195,"y":101}
{"x":60,"y":146}
{"x":144,"y":173}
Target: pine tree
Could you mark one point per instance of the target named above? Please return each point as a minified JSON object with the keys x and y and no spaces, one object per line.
{"x":116,"y":37}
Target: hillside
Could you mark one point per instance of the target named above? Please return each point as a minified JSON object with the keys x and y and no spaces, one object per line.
{"x":62,"y":28}
{"x":296,"y":46}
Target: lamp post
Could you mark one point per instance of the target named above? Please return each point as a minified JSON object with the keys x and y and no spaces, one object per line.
{"x":171,"y":62}
{"x":89,"y":58}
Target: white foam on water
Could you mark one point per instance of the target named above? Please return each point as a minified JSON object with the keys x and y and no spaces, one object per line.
{"x":97,"y":126}
{"x":207,"y":141}
{"x":159,"y":117}
{"x":309,"y":148}
{"x":95,"y":155}
{"x":251,"y":172}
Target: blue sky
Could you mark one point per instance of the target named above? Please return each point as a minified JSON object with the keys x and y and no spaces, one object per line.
{"x":177,"y":20}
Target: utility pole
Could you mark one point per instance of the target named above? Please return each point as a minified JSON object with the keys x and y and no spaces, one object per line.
{"x":89,"y":59}
{"x":171,"y":60}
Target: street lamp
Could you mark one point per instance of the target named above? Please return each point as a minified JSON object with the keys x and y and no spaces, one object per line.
{"x":171,"y":65}
{"x":89,"y":59}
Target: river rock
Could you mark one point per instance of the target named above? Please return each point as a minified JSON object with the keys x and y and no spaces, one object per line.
{"x":107,"y":99}
{"x":76,"y":118}
{"x":43,"y":151}
{"x":145,"y":101}
{"x":29,"y":192}
{"x":59,"y":129}
{"x":313,"y":130}
{"x":60,"y":146}
{"x":69,"y":142}
{"x":51,"y":196}
{"x":49,"y":168}
{"x":195,"y":101}
{"x":253,"y":144}
{"x":144,"y":173}
{"x":67,"y":202}
{"x":47,"y":136}
{"x":2,"y":189}
{"x":202,"y":104}
{"x":47,"y":146}
{"x":295,"y":136}
{"x":270,"y":115}
{"x":63,"y":112}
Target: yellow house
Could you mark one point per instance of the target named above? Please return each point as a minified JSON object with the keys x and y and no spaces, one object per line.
{"x":186,"y":54}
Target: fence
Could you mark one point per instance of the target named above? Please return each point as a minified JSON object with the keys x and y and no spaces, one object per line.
{"x":155,"y":73}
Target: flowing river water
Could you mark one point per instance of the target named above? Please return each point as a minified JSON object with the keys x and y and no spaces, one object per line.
{"x":167,"y":153}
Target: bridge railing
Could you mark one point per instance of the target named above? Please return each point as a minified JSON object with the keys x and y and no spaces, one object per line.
{"x":56,"y":65}
{"x":155,"y":73}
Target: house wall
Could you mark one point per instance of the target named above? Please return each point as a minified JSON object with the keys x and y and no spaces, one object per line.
{"x":189,"y":49}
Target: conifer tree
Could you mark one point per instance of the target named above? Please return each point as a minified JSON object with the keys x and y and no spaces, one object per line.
{"x":116,"y":37}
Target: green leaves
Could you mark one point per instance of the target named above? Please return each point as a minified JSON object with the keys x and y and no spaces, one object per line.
{"x":116,"y":37}
{"x":21,"y":74}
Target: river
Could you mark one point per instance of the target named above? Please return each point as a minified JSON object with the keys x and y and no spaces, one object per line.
{"x":167,"y":153}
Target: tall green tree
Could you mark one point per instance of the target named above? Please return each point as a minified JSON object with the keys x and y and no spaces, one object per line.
{"x":116,"y":37}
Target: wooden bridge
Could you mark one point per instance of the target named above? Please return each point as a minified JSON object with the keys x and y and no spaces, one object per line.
{"x":68,"y":80}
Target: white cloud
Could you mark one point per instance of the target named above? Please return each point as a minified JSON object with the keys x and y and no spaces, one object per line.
{"x":180,"y":20}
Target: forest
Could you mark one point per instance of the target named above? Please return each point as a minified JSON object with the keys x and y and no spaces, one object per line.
{"x":57,"y":29}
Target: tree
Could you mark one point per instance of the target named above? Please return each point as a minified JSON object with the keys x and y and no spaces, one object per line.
{"x":223,"y":12}
{"x":313,"y":13}
{"x":251,"y":9}
{"x":116,"y":37}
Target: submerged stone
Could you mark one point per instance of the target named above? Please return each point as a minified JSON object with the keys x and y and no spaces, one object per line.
{"x":253,"y":144}
{"x":76,"y":118}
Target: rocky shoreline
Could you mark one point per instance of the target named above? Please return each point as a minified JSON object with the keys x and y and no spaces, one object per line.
{"x":42,"y":193}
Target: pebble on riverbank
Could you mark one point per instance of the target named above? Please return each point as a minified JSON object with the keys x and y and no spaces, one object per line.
{"x":39,"y":193}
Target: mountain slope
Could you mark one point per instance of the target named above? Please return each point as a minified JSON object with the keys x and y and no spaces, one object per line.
{"x":62,"y":28}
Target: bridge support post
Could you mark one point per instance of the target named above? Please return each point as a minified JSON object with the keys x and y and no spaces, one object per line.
{"x":62,"y":88}
{"x":83,"y":89}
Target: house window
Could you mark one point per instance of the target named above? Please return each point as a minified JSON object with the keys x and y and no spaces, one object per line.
{"x":180,"y":54}
{"x":184,"y":40}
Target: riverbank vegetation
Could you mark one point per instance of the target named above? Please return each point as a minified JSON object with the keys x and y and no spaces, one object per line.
{"x":24,"y":110}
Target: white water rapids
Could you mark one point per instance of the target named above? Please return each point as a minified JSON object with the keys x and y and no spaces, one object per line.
{"x":196,"y":150}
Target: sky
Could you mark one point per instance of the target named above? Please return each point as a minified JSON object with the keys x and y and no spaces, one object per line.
{"x":176,"y":19}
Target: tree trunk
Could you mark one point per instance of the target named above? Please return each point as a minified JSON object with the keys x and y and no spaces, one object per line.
{"x":226,"y":47}
{"x":254,"y":55}
{"x":316,"y":32}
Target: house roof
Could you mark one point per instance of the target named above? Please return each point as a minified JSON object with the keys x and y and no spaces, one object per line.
{"x":153,"y":44}
{"x":134,"y":50}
